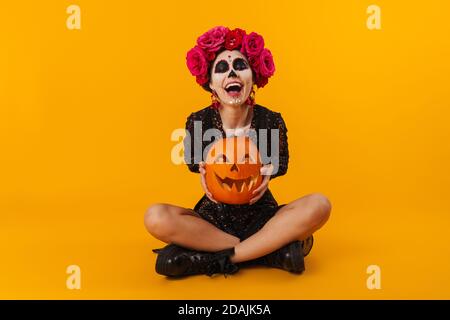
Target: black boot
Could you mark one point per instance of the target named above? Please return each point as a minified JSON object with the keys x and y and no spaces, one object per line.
{"x":289,"y":258}
{"x":176,"y":261}
{"x":307,"y":245}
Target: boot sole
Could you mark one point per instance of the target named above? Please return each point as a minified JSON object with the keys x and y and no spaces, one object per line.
{"x":307,"y":245}
{"x":297,"y":258}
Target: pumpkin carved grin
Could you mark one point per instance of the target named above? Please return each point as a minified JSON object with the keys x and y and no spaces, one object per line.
{"x":238,"y":184}
{"x":233,"y":170}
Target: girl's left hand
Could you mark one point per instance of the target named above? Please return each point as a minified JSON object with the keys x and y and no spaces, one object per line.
{"x":266,"y":172}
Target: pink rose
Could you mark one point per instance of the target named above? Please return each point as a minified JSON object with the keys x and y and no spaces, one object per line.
{"x":233,"y":39}
{"x":196,"y":61}
{"x":212,"y":40}
{"x":266,"y":64}
{"x":252,"y":44}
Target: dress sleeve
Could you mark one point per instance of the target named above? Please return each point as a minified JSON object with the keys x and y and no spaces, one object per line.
{"x":189,"y":143}
{"x":284,"y":150}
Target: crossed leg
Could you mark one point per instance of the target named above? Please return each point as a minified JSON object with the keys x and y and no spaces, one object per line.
{"x":173,"y":224}
{"x":295,"y":221}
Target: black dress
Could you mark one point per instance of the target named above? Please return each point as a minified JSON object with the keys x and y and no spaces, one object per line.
{"x":239,"y":220}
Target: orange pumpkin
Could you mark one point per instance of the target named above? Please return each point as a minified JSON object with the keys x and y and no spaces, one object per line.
{"x":233,"y":170}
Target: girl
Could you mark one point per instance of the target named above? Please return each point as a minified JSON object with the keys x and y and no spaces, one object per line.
{"x":215,"y":237}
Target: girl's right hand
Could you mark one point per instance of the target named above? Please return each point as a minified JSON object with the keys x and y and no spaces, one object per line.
{"x":201,"y":166}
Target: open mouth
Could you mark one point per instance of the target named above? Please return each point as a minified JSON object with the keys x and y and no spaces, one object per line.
{"x":233,"y":88}
{"x":239,"y":184}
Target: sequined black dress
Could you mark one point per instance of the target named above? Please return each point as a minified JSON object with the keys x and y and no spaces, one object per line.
{"x":239,"y":220}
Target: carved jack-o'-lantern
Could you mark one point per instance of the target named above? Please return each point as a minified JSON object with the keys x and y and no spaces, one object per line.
{"x":233,"y":170}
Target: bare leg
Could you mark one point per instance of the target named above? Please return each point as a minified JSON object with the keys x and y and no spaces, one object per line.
{"x":183,"y":226}
{"x":295,"y":221}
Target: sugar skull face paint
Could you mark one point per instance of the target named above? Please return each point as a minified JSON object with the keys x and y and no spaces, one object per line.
{"x":231,"y":78}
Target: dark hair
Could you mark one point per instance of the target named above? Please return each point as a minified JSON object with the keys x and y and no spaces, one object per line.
{"x":206,"y":85}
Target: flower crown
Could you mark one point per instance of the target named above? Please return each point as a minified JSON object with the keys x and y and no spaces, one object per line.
{"x":251,"y":45}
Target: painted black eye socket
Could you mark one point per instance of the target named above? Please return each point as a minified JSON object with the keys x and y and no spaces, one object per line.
{"x":221,"y":67}
{"x":240,"y":64}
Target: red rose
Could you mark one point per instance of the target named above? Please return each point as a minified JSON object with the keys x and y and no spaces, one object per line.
{"x":252,"y":44}
{"x":210,"y":56}
{"x":261,"y":81}
{"x":254,"y":63}
{"x":233,"y":39}
{"x":202,"y":79}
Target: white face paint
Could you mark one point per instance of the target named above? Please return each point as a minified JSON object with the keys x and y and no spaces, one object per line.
{"x":231,"y":67}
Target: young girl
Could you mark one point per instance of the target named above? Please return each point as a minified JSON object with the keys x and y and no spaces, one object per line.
{"x":216,"y":237}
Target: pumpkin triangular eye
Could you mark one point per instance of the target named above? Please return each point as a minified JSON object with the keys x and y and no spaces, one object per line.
{"x":221,"y":158}
{"x":247,"y":158}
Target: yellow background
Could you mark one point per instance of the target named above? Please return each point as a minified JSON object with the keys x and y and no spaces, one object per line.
{"x":85,"y":123}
